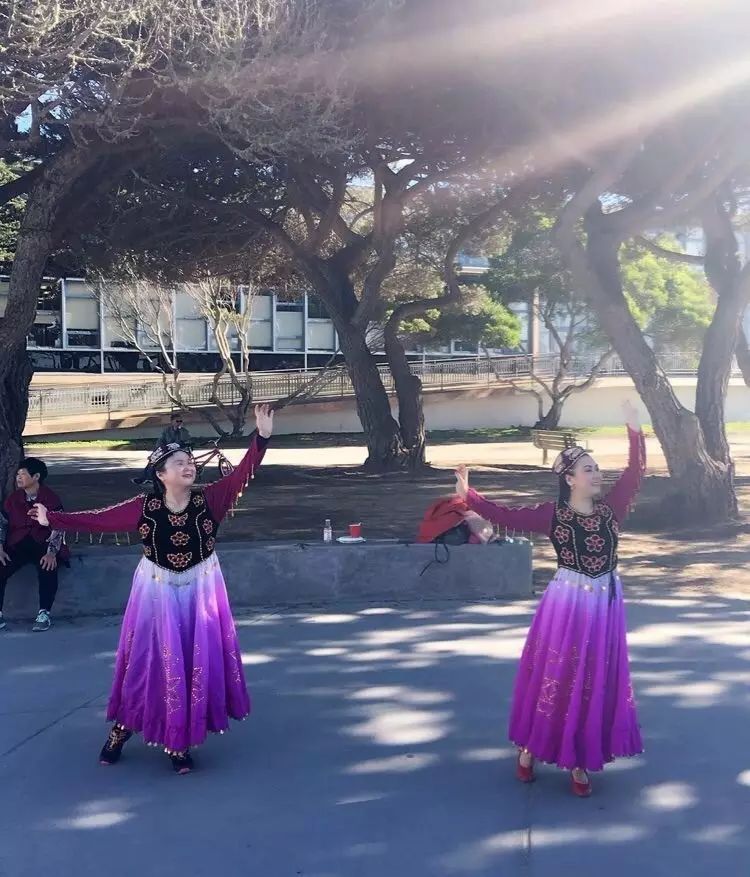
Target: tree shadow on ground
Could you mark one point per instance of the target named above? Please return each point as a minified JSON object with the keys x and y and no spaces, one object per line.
{"x":378,"y":746}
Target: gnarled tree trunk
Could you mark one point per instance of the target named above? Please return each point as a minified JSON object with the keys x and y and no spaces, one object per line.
{"x":410,"y":406}
{"x":44,"y":208}
{"x":551,"y":417}
{"x":15,"y":377}
{"x":702,"y":484}
{"x":382,"y":434}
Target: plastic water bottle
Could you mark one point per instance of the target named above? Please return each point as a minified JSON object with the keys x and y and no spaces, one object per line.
{"x":327,"y":532}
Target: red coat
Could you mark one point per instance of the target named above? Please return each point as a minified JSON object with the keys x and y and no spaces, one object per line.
{"x":440,"y":517}
{"x":20,"y":525}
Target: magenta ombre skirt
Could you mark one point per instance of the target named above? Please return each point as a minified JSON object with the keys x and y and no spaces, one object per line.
{"x":573,"y":702}
{"x":178,"y":673}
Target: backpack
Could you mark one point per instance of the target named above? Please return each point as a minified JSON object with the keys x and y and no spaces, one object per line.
{"x":443,"y":523}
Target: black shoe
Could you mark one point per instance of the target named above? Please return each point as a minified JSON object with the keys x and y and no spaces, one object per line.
{"x":112,"y":749}
{"x":181,"y":761}
{"x":43,"y":621}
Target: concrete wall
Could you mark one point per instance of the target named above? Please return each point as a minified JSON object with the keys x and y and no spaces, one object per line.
{"x":461,"y":409}
{"x":289,"y":574}
{"x":600,"y":405}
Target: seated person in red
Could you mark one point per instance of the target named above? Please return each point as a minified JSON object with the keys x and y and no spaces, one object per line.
{"x":23,"y":540}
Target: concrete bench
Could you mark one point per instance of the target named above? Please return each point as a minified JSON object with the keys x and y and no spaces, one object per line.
{"x":291,"y":573}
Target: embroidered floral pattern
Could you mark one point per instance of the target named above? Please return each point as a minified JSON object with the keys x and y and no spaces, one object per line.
{"x":153,"y":504}
{"x":593,"y":565}
{"x":547,"y":701}
{"x":594,"y":543}
{"x":197,"y":691}
{"x":593,"y":536}
{"x":592,"y":524}
{"x":567,"y":556}
{"x":189,"y":534}
{"x":172,"y":680}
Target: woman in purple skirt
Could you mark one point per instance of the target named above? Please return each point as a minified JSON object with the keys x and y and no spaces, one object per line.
{"x":178,"y":671}
{"x":573,"y":702}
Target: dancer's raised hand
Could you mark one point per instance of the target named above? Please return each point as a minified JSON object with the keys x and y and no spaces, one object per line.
{"x":264,"y":420}
{"x":462,"y":481}
{"x":632,"y":415}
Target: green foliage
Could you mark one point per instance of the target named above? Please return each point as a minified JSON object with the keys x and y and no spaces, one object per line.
{"x":10,"y":214}
{"x":670,"y":301}
{"x":477,"y":320}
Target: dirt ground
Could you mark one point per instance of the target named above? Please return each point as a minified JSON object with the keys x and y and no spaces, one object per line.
{"x":291,"y":503}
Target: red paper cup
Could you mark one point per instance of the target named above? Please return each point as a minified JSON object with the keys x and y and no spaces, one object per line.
{"x":355,"y":530}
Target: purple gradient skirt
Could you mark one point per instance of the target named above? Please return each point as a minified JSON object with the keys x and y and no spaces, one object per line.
{"x":178,"y":672}
{"x":573,"y":702}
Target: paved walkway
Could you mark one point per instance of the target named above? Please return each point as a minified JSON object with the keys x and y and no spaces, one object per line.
{"x":611,"y":450}
{"x":377,"y":748}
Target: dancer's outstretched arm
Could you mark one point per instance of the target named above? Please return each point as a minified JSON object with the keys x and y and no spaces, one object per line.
{"x":528,"y":519}
{"x":222,"y":494}
{"x":628,"y":484}
{"x":120,"y":518}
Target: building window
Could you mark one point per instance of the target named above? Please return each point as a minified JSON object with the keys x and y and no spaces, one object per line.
{"x":191,"y":326}
{"x":191,"y":334}
{"x":87,"y":361}
{"x":290,"y":325}
{"x":260,"y":330}
{"x":131,"y":361}
{"x":321,"y":335}
{"x":47,"y":329}
{"x":81,"y":315}
{"x":316,"y":310}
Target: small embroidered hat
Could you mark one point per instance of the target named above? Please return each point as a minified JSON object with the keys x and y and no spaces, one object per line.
{"x":566,"y":459}
{"x":163,"y":452}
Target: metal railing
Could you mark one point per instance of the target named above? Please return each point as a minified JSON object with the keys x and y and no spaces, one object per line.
{"x":57,"y":402}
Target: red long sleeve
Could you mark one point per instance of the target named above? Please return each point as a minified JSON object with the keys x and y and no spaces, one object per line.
{"x":528,"y":519}
{"x":222,"y":493}
{"x":121,"y":518}
{"x":627,"y":485}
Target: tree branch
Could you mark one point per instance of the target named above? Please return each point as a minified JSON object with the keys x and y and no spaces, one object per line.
{"x":593,"y":375}
{"x":666,"y":253}
{"x":21,"y":185}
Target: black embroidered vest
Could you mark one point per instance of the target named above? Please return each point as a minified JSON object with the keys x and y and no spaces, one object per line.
{"x":585,"y":543}
{"x":177,"y":541}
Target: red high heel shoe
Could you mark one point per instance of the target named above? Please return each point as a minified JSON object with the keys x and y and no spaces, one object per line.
{"x":581,"y":790}
{"x":524,"y":774}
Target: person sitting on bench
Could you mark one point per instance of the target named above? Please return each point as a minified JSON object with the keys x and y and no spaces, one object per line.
{"x":23,"y":540}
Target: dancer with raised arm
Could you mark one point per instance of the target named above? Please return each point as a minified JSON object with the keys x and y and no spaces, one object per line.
{"x":178,"y":671}
{"x":573,"y":703}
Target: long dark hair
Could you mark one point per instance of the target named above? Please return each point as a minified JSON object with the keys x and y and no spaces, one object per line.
{"x":563,"y":488}
{"x":158,"y":485}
